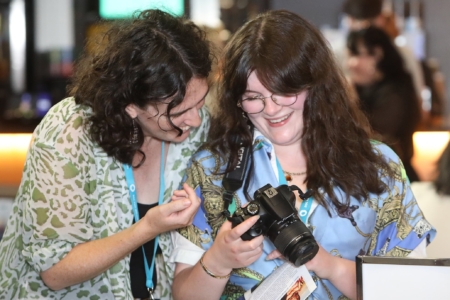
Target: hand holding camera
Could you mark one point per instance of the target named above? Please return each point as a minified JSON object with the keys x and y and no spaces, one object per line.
{"x":229,"y":251}
{"x":279,"y":221}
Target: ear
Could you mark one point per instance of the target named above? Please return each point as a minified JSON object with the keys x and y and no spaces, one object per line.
{"x":131,"y":110}
{"x":378,"y":54}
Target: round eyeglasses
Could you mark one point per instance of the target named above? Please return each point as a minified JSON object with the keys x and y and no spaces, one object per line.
{"x":256,"y":104}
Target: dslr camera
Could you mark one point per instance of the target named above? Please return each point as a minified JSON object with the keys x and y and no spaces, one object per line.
{"x":279,"y":221}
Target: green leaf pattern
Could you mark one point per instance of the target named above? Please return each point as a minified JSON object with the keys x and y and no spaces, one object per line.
{"x":72,"y":192}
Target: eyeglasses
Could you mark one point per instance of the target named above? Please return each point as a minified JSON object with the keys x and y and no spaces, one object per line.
{"x":256,"y":104}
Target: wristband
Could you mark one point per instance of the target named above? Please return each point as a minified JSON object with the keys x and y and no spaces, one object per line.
{"x":211,"y":273}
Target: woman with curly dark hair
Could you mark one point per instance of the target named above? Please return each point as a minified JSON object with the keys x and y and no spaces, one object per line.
{"x":283,"y":99}
{"x":90,"y":217}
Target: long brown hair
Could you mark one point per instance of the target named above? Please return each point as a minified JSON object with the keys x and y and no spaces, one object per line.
{"x":290,"y":55}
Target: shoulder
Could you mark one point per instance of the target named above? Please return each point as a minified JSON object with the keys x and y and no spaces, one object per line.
{"x":206,"y":160}
{"x":64,"y":128}
{"x":384,"y":150}
{"x":204,"y":154}
{"x":199,"y":134}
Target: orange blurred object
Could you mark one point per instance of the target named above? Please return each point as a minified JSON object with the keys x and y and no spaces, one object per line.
{"x":13,"y":151}
{"x":428,"y":147}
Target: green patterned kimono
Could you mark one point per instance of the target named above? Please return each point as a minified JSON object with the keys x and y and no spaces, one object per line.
{"x":71,"y":193}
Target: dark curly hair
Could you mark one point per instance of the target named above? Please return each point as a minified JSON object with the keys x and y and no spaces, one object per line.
{"x":142,"y":61}
{"x":290,"y":55}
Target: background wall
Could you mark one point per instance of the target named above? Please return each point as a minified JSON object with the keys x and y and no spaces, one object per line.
{"x":437,"y":27}
{"x":319,"y":12}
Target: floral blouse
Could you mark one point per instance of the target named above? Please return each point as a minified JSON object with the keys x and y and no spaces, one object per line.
{"x":71,"y":193}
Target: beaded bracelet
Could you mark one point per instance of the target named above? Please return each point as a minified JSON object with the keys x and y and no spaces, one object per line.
{"x":211,"y":273}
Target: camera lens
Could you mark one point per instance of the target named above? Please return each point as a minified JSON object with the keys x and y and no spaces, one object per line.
{"x":303,"y":252}
{"x":296,"y":243}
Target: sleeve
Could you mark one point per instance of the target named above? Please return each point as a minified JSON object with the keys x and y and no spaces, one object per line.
{"x":56,"y":213}
{"x":184,"y":251}
{"x":401,"y":226}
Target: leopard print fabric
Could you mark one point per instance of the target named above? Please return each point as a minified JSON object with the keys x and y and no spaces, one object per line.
{"x":71,"y":193}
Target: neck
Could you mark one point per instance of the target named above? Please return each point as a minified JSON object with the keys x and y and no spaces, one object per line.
{"x":291,"y":158}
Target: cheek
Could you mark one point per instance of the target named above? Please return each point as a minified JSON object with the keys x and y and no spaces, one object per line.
{"x":253,"y":118}
{"x":299,"y":105}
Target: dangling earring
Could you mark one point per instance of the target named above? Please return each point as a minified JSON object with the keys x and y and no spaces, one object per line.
{"x":134,"y":134}
{"x":244,"y":115}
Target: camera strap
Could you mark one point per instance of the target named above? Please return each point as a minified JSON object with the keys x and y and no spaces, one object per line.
{"x":233,"y":180}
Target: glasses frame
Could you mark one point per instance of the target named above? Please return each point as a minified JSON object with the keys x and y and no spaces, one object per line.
{"x":263,"y":99}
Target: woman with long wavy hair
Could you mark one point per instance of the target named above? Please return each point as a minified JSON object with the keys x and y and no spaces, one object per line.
{"x":283,"y":99}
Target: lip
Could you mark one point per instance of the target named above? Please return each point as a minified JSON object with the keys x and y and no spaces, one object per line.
{"x":287,"y":118}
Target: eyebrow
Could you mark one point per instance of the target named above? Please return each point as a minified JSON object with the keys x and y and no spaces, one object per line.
{"x":251,"y":91}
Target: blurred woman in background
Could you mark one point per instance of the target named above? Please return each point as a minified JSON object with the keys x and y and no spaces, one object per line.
{"x":385,"y":90}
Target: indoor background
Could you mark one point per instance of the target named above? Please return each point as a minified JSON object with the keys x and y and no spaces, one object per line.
{"x":41,"y":39}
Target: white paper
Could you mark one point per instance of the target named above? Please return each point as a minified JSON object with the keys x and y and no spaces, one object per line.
{"x":287,"y":278}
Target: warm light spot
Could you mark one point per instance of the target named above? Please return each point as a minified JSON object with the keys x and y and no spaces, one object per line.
{"x":13,"y":151}
{"x":428,"y":147}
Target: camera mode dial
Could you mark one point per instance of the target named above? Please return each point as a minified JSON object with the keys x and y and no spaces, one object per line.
{"x":253,"y":209}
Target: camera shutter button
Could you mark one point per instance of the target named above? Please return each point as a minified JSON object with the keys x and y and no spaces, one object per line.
{"x":253,"y":209}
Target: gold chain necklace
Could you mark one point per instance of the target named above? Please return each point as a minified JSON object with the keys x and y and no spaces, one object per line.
{"x":289,"y":175}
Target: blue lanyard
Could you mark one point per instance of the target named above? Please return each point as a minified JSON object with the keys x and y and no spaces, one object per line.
{"x":132,"y":188}
{"x":305,"y":207}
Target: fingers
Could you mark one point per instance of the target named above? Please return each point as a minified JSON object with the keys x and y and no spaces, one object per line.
{"x":175,"y":206}
{"x":239,"y":230}
{"x":189,"y":191}
{"x":186,"y":192}
{"x":274,"y":254}
{"x":179,"y":194}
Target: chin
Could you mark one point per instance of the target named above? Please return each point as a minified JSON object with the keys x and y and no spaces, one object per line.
{"x":181,"y":138}
{"x":281,"y":141}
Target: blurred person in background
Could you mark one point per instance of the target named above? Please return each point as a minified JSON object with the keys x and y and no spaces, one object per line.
{"x":385,"y":91}
{"x":434,"y":200}
{"x":90,"y":218}
{"x":360,"y":14}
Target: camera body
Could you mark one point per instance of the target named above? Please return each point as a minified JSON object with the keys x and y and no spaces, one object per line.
{"x":279,"y":221}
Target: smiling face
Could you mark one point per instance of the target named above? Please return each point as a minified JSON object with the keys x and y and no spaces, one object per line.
{"x":154,"y":122}
{"x":282,"y":125}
